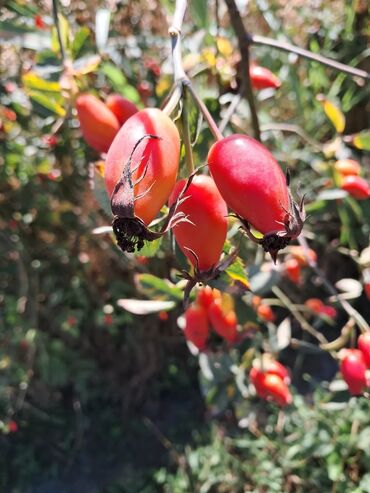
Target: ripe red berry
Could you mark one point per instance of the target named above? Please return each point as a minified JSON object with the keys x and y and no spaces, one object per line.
{"x":12,"y":426}
{"x":202,"y":241}
{"x":329,"y":311}
{"x":293,"y":270}
{"x":224,"y":324}
{"x":98,"y":124}
{"x":251,"y":181}
{"x":356,"y":186}
{"x":363,"y":344}
{"x":156,"y":160}
{"x":196,"y":326}
{"x":206,"y":296}
{"x":353,"y":369}
{"x":277,"y":390}
{"x":314,"y":304}
{"x":262,"y":77}
{"x":121,"y":107}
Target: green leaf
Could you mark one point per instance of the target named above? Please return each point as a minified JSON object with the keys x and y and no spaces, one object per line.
{"x":119,"y":82}
{"x":150,"y":248}
{"x":64,"y":34}
{"x":47,"y":102}
{"x":199,"y":13}
{"x":101,"y":194}
{"x":362,"y":140}
{"x":33,"y":81}
{"x":154,"y":286}
{"x":237,"y":273}
{"x":80,"y":38}
{"x":335,"y":466}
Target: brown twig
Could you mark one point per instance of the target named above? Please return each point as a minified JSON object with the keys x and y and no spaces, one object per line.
{"x":242,"y":35}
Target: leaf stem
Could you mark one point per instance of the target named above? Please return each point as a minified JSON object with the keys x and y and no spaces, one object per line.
{"x":57,"y":26}
{"x":241,"y":34}
{"x":203,"y":108}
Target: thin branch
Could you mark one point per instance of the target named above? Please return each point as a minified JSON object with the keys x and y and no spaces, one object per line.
{"x":175,"y":33}
{"x":282,"y":45}
{"x":203,"y":108}
{"x":230,"y":111}
{"x":186,"y":133}
{"x":242,"y":35}
{"x":296,"y":129}
{"x":57,"y":26}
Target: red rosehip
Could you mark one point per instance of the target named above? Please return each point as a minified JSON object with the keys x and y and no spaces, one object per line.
{"x":329,"y":311}
{"x":367,"y":289}
{"x":207,"y":211}
{"x":12,"y":426}
{"x":206,"y":296}
{"x":353,"y":369}
{"x":363,"y":344}
{"x":262,"y":78}
{"x":250,"y":181}
{"x":196,"y":326}
{"x":303,"y":255}
{"x":121,"y":107}
{"x":356,"y":186}
{"x":265,"y":313}
{"x":347,"y":167}
{"x":98,"y":124}
{"x":314,"y":304}
{"x":277,"y":390}
{"x":159,"y":158}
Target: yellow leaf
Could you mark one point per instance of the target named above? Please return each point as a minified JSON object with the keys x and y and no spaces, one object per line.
{"x":362,"y":140}
{"x":33,"y":81}
{"x":334,"y":113}
{"x":224,"y":46}
{"x":209,"y":57}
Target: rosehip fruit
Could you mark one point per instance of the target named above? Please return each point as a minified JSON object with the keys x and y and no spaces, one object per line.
{"x":303,"y":255}
{"x":98,"y":124}
{"x":262,"y":78}
{"x":265,"y":313}
{"x":121,"y":107}
{"x":314,"y":304}
{"x":206,"y":296}
{"x":353,"y":369}
{"x":293,"y":270}
{"x":277,"y":390}
{"x":203,"y":240}
{"x":154,"y":162}
{"x":347,"y":167}
{"x":363,"y":344}
{"x":356,"y":186}
{"x":196,"y":326}
{"x":224,"y":324}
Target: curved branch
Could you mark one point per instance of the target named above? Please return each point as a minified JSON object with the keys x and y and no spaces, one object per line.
{"x":282,"y":45}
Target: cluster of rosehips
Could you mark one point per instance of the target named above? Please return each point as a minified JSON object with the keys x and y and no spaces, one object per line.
{"x":348,"y":174}
{"x":354,"y":363}
{"x":211,"y":310}
{"x":271,"y":380}
{"x":297,"y":258}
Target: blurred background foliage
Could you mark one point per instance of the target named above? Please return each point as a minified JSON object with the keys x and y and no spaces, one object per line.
{"x":93,"y":398}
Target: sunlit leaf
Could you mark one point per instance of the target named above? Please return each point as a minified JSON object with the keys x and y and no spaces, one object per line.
{"x":101,"y":194}
{"x":47,"y":102}
{"x":283,"y":334}
{"x":86,"y":65}
{"x":224,"y":46}
{"x":119,"y":82}
{"x":145,"y":307}
{"x":33,"y":81}
{"x":79,"y":40}
{"x":334,"y":113}
{"x":150,"y":248}
{"x":64,"y":34}
{"x":362,"y":140}
{"x":155,"y":286}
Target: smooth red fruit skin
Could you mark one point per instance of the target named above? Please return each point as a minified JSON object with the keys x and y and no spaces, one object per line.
{"x":250,"y":181}
{"x":265,"y":313}
{"x":160,"y":155}
{"x":257,"y":378}
{"x":196,"y":326}
{"x":207,"y":210}
{"x":98,"y":124}
{"x":363,"y":344}
{"x":367,"y":289}
{"x":314,"y":304}
{"x":356,"y":186}
{"x":121,"y":107}
{"x":353,"y":369}
{"x":263,"y":78}
{"x":224,"y":324}
{"x":207,"y":295}
{"x":276,"y":389}
{"x":276,"y":368}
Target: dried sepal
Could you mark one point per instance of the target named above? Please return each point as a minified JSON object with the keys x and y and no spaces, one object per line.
{"x":130,"y":231}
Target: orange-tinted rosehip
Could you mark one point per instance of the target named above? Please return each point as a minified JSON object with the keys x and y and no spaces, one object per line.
{"x":155,"y":161}
{"x":251,"y":181}
{"x":98,"y":124}
{"x":265,"y":313}
{"x":202,"y":241}
{"x":224,"y":324}
{"x":353,"y":369}
{"x":363,"y":344}
{"x":356,"y":186}
{"x":121,"y":107}
{"x":303,"y":255}
{"x":196,"y":326}
{"x":314,"y":304}
{"x":206,"y":296}
{"x":262,"y":78}
{"x":347,"y":167}
{"x":293,"y":270}
{"x":277,"y":390}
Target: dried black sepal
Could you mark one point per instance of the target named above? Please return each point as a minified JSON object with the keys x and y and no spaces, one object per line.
{"x":130,"y":231}
{"x":293,"y":223}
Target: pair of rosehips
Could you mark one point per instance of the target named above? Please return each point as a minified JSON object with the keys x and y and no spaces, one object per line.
{"x":140,"y":173}
{"x":208,"y":311}
{"x":99,"y":121}
{"x":350,"y":180}
{"x":354,"y":363}
{"x":271,"y":380}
